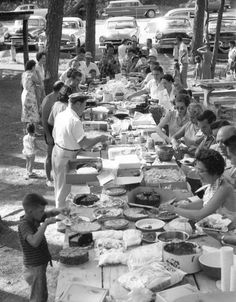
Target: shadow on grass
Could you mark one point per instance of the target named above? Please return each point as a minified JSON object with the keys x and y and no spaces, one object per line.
{"x":9,"y":238}
{"x":8,"y":297}
{"x":11,"y":160}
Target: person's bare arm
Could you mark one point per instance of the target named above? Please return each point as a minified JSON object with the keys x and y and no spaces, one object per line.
{"x":138,"y":93}
{"x":87,"y":143}
{"x":35,"y":239}
{"x":210,"y":208}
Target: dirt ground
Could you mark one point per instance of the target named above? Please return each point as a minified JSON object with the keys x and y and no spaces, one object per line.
{"x":13,"y":187}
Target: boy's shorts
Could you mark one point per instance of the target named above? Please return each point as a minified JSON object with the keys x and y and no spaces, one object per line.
{"x":35,"y":276}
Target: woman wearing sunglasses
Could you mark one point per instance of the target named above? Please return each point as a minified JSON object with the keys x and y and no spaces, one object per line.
{"x":218,"y":195}
{"x":174,"y":119}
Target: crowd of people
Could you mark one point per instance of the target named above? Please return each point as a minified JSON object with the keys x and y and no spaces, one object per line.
{"x":185,"y":124}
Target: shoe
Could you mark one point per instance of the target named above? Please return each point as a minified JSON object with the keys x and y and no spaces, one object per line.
{"x":49,"y":183}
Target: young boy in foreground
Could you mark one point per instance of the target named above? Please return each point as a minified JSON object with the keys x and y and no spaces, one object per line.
{"x":34,"y":245}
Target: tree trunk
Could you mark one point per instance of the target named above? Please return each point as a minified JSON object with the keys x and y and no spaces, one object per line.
{"x":90,"y":26}
{"x":216,"y":44}
{"x":198,"y":27}
{"x":53,"y":36}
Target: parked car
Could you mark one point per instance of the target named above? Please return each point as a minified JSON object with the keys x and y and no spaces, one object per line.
{"x":164,"y":31}
{"x":213,"y":5}
{"x":130,"y":8}
{"x":227,"y":32}
{"x":36,"y":25}
{"x":33,"y":7}
{"x":3,"y":29}
{"x":188,"y":13}
{"x":118,"y":28}
{"x":73,"y":34}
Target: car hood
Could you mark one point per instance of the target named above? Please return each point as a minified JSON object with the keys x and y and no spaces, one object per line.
{"x":31,"y":30}
{"x":123,"y":32}
{"x":67,"y":32}
{"x":176,"y":30}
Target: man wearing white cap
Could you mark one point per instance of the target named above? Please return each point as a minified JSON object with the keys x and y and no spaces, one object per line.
{"x":69,"y":138}
{"x":89,"y":64}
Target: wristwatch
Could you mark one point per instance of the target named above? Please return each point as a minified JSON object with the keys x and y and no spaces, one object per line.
{"x":222,"y":240}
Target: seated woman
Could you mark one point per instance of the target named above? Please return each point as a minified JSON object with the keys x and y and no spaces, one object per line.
{"x":174,"y":119}
{"x":190,"y":131}
{"x":219,"y":194}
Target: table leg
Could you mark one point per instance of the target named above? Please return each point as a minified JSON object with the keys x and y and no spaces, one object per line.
{"x":207,"y":93}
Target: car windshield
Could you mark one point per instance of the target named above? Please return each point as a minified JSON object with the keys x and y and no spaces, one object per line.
{"x":120,"y":24}
{"x":69,"y":24}
{"x":31,"y":23}
{"x":178,"y":23}
{"x":227,"y":24}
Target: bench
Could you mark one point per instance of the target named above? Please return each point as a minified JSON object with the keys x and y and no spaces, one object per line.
{"x":214,"y":93}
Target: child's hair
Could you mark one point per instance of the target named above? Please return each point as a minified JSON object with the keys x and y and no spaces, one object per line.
{"x":176,"y":66}
{"x":198,"y":59}
{"x":30,"y":128}
{"x":33,"y":201}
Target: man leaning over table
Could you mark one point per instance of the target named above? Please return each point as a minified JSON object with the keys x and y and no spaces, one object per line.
{"x":69,"y":138}
{"x":153,"y":87}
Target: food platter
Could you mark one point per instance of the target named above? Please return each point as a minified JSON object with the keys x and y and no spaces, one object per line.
{"x":166,"y":216}
{"x":85,"y":199}
{"x":214,"y":222}
{"x":85,"y":227}
{"x":107,"y":213}
{"x":116,"y":224}
{"x":149,"y":224}
{"x":135,"y":214}
{"x":115,"y":191}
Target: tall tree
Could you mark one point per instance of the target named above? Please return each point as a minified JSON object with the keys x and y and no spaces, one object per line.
{"x":198,"y":27}
{"x":53,"y":36}
{"x":90,"y":26}
{"x":216,"y":44}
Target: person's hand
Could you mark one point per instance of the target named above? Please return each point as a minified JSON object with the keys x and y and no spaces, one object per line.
{"x":50,"y":220}
{"x":54,"y":212}
{"x":65,"y":211}
{"x":175,"y":144}
{"x":104,"y":138}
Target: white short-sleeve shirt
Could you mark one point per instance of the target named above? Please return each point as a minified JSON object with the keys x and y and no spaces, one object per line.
{"x":182,"y":49}
{"x":68,"y":129}
{"x":91,"y":66}
{"x":153,"y":88}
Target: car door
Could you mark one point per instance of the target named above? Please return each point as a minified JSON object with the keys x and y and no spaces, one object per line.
{"x":135,"y":9}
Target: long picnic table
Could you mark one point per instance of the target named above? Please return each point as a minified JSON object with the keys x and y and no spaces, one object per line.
{"x":106,"y":277}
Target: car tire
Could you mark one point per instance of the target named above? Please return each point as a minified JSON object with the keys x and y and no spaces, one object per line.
{"x":151,"y":13}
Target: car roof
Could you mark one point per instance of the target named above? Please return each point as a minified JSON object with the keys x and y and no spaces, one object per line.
{"x":72,"y":19}
{"x":121,"y":18}
{"x":122,"y":1}
{"x":36,"y":17}
{"x":232,"y":17}
{"x":185,"y":9}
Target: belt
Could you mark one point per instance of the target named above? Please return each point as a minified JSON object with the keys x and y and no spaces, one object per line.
{"x":76,"y":150}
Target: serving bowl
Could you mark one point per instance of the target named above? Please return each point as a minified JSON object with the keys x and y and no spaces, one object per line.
{"x":165,"y":153}
{"x":183,"y":255}
{"x":210,"y":264}
{"x":173,"y":236}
